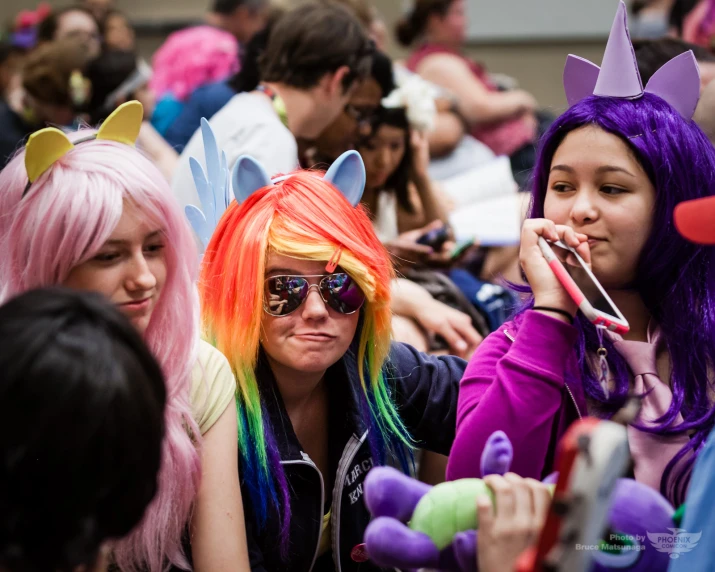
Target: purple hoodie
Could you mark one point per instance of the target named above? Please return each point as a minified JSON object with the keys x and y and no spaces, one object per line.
{"x":516,"y":382}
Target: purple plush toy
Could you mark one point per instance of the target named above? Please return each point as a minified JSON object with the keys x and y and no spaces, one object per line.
{"x":392,"y":497}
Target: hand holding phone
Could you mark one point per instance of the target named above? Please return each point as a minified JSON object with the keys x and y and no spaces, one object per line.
{"x":547,"y":289}
{"x":583,"y":287}
{"x":435,"y":238}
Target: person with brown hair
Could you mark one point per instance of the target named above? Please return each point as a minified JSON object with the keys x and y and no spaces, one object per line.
{"x":72,"y":22}
{"x":505,"y":121}
{"x":315,"y":57}
{"x":54,"y":92}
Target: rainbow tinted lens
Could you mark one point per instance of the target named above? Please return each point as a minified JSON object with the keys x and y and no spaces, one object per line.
{"x":285,"y":294}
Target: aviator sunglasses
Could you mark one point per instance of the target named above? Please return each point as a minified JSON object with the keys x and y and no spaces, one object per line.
{"x":285,"y":294}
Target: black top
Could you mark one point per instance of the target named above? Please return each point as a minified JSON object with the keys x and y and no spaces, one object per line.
{"x":424,"y":389}
{"x":13,"y":131}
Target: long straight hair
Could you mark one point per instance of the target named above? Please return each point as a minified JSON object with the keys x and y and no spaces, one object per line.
{"x":303,"y":217}
{"x":63,"y":221}
{"x":674,"y":277}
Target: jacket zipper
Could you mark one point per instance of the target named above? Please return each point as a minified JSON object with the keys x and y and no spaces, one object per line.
{"x":352,"y":447}
{"x":308,"y":462}
{"x":573,"y":399}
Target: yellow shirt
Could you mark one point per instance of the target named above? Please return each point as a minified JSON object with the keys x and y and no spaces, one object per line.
{"x":325,"y":543}
{"x":213,"y":386}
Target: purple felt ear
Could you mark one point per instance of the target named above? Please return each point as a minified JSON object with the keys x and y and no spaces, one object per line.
{"x":580,"y":77}
{"x":678,"y":83}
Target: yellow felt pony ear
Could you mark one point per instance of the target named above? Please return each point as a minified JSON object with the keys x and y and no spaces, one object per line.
{"x":42,"y":150}
{"x":123,"y":124}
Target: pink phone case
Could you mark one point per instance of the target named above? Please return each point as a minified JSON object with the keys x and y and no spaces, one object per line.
{"x":618,"y":324}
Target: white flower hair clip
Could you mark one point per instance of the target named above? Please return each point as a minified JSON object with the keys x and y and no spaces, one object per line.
{"x":417,"y":97}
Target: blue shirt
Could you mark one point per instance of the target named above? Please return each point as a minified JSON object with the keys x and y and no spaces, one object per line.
{"x":699,"y":516}
{"x":205,"y":101}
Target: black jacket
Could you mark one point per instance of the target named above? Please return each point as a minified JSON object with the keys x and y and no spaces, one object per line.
{"x":424,"y":389}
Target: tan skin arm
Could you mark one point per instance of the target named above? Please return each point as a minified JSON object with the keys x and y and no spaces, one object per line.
{"x":477,"y":104}
{"x":218,"y":531}
{"x":446,"y":135}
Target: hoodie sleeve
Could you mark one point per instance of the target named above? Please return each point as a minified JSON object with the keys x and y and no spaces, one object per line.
{"x":514,"y":387}
{"x":425,"y":393}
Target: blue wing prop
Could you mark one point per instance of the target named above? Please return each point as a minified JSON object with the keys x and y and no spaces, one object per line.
{"x":212,"y":186}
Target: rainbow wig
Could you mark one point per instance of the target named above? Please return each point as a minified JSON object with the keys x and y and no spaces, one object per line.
{"x":675,"y":278}
{"x":304,"y":217}
{"x":63,"y":221}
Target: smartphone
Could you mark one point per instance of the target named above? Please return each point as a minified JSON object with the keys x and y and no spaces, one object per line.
{"x":461,"y":247}
{"x":578,"y":280}
{"x":434,"y":238}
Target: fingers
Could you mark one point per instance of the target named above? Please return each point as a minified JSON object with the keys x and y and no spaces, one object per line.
{"x":454,"y":340}
{"x":541,"y":501}
{"x":455,"y":327}
{"x":462,"y":325}
{"x":485,"y":513}
{"x":504,"y":496}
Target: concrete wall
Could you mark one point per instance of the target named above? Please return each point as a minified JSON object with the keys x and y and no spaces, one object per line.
{"x":536,"y":65}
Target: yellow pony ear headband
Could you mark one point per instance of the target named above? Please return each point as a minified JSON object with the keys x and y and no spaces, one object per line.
{"x":46,"y":146}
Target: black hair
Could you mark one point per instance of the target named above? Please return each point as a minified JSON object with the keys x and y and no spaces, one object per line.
{"x":249,"y":75}
{"x":6,"y":50}
{"x":383,"y":73}
{"x":81,"y":426}
{"x":651,"y":55}
{"x":106,"y":73}
{"x":48,"y":27}
{"x":414,"y":24}
{"x":399,"y":180}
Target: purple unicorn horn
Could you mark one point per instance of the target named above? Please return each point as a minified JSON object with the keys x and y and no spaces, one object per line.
{"x":677,"y":82}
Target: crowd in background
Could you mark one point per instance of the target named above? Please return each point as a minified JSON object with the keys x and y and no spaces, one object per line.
{"x":296,"y":85}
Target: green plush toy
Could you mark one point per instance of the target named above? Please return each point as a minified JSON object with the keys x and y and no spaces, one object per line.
{"x":450,"y":508}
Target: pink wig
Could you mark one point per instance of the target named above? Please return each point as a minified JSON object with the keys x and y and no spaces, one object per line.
{"x":63,"y":220}
{"x":191,"y":58}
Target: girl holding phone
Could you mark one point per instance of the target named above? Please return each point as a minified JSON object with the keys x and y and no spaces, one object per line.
{"x":608,"y":177}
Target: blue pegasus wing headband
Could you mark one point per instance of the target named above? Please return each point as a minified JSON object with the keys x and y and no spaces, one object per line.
{"x":347,"y":174}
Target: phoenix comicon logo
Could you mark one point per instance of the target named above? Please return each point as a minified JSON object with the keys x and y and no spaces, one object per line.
{"x":678,"y":541}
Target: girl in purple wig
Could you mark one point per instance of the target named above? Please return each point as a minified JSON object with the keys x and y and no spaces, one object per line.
{"x":88,"y":211}
{"x":609,"y":174}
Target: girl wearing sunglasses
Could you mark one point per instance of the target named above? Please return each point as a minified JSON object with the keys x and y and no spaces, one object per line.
{"x":295,"y":290}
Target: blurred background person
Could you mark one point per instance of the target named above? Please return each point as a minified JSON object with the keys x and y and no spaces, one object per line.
{"x":117,"y":32}
{"x":650,"y":18}
{"x":208,"y":99}
{"x":505,"y":121}
{"x":54,"y":92}
{"x":202,"y":54}
{"x":98,"y":8}
{"x":72,"y":22}
{"x":115,"y":78}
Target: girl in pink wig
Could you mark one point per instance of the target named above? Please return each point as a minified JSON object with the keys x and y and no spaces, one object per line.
{"x":90,"y":212}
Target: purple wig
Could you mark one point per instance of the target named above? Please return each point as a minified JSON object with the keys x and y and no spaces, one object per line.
{"x":674,"y":277}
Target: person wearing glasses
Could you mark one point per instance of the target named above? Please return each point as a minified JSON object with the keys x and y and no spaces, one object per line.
{"x":295,"y":291}
{"x":315,"y":58}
